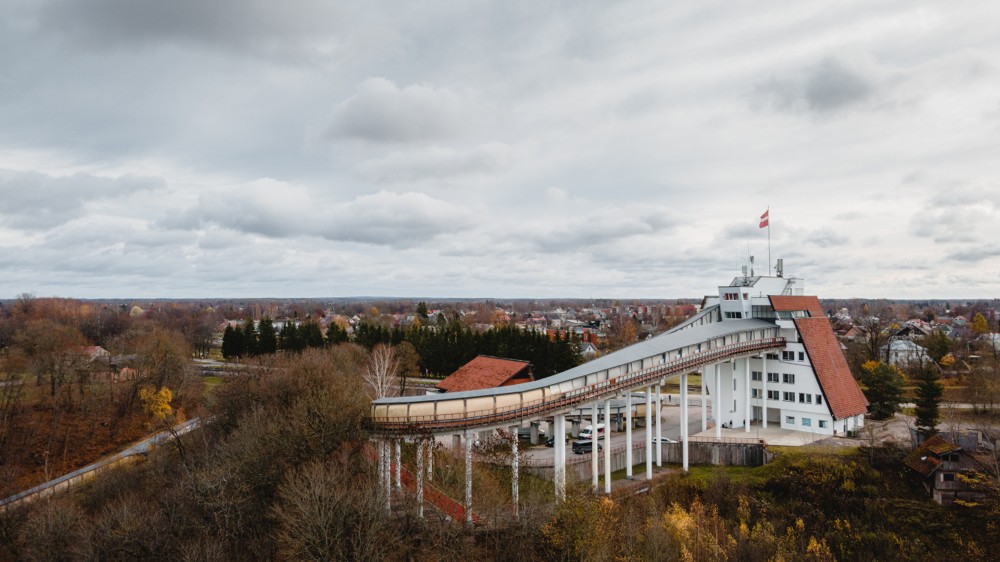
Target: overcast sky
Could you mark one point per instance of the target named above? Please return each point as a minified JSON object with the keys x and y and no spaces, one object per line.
{"x":308,"y":148}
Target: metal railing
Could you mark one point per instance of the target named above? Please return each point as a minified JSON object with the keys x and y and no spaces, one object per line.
{"x":487,"y":417}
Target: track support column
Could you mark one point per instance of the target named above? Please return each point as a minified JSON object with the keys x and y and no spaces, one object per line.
{"x":628,"y":434}
{"x":684,"y":421}
{"x":559,"y":476}
{"x":649,"y":433}
{"x":704,"y":407}
{"x":594,"y":446}
{"x":421,"y":447}
{"x":607,"y":446}
{"x":659,"y":427}
{"x":763,"y":400}
{"x":514,"y":470}
{"x":746,"y":404}
{"x":397,"y":455}
{"x":468,"y":478}
{"x":717,"y":401}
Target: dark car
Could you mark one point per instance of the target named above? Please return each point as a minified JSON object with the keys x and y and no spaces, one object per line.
{"x":551,"y":441}
{"x":584,"y":447}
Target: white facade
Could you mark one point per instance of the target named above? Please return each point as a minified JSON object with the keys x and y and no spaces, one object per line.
{"x":784,"y":384}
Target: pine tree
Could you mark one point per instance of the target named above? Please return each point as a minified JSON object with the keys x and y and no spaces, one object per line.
{"x":335,"y":334}
{"x":310,"y":334}
{"x":249,"y":338}
{"x":929,"y":391}
{"x":267,"y":339}
{"x":229,"y":349}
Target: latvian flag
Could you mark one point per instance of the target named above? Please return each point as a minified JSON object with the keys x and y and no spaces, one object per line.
{"x":763,"y":218}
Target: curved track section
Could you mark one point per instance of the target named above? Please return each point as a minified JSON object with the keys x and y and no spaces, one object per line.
{"x":636,"y":366}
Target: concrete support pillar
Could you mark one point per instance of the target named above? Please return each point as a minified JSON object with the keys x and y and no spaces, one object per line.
{"x":704,"y":406}
{"x":421,"y":447}
{"x":575,"y":427}
{"x":534,"y":433}
{"x":659,"y":427}
{"x":468,"y":478}
{"x":649,"y":433}
{"x":607,"y":446}
{"x":684,"y":421}
{"x":396,"y":470}
{"x":456,"y":443}
{"x":763,"y":398}
{"x":746,"y":403}
{"x":717,"y":401}
{"x":594,"y":446}
{"x":514,"y":470}
{"x":628,"y":434}
{"x":559,"y":476}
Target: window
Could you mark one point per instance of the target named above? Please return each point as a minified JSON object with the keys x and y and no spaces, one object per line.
{"x":772,"y":394}
{"x":945,"y":477}
{"x":787,"y":355}
{"x":822,"y":424}
{"x":773,"y":356}
{"x":755,"y":375}
{"x":734,"y":315}
{"x":787,"y":378}
{"x":819,"y":399}
{"x":805,"y":398}
{"x":807,"y":422}
{"x":788,"y":396}
{"x":790,"y":420}
{"x":772,"y":377}
{"x":734,"y":405}
{"x":734,"y":384}
{"x":802,"y":356}
{"x":754,"y":393}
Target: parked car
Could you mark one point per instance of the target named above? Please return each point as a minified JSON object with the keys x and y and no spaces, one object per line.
{"x":588,"y":431}
{"x":582,"y":447}
{"x":551,"y":441}
{"x":664,"y":440}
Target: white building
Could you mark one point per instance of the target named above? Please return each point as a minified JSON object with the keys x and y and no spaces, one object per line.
{"x":807,"y":386}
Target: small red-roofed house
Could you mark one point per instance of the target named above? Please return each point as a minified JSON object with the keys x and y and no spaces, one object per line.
{"x":487,"y":372}
{"x":939,"y":462}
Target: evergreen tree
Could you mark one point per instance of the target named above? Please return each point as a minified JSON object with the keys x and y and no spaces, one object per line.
{"x":288,"y":338}
{"x":335,"y":334}
{"x":938,"y":344}
{"x":310,"y":334}
{"x":929,"y":391}
{"x":229,"y":344}
{"x":267,"y":339}
{"x":883,"y":388}
{"x":422,"y":309}
{"x":249,"y":338}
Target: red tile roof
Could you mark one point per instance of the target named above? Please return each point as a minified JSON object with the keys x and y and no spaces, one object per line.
{"x":789,"y":303}
{"x":487,"y":372}
{"x":924,"y":459}
{"x":843,"y":395}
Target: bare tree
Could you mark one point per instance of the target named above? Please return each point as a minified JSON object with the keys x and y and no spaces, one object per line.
{"x":380,"y":370}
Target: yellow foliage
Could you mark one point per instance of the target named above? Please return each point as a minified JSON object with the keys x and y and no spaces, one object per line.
{"x":948,"y":360}
{"x":156,"y":403}
{"x":870,"y":366}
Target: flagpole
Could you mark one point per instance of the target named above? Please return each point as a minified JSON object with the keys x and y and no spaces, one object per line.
{"x":768,"y":240}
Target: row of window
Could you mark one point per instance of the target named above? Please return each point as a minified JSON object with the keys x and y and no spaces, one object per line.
{"x":787,"y":378}
{"x":734,"y":315}
{"x":806,"y":422}
{"x":790,"y":355}
{"x":804,"y":398}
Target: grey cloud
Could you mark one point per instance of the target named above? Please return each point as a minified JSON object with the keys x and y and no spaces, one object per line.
{"x":244,"y":25}
{"x":608,"y":228}
{"x":436,"y":163}
{"x":826,"y":238}
{"x":976,"y":253}
{"x":274,"y":211}
{"x":832,"y":84}
{"x":37,"y":201}
{"x":960,"y":215}
{"x":381,"y":111}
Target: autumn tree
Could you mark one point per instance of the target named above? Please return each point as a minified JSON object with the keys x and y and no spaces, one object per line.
{"x":381,"y":371}
{"x":979,"y":325}
{"x":883,"y":388}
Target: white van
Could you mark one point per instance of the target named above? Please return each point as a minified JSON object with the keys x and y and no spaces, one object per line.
{"x":588,"y":432}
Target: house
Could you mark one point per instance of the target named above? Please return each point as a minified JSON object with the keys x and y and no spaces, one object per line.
{"x":487,"y":372}
{"x":903,"y":352}
{"x":939,"y":462}
{"x":95,"y":352}
{"x":589,"y":350}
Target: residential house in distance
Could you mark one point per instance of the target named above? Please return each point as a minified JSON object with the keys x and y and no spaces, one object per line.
{"x":903,"y":352}
{"x":486,"y":372}
{"x":940,"y":462}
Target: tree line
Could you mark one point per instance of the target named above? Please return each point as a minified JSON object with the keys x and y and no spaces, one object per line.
{"x":442,"y":349}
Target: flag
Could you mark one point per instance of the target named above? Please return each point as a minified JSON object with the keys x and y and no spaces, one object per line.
{"x":763,"y":218}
